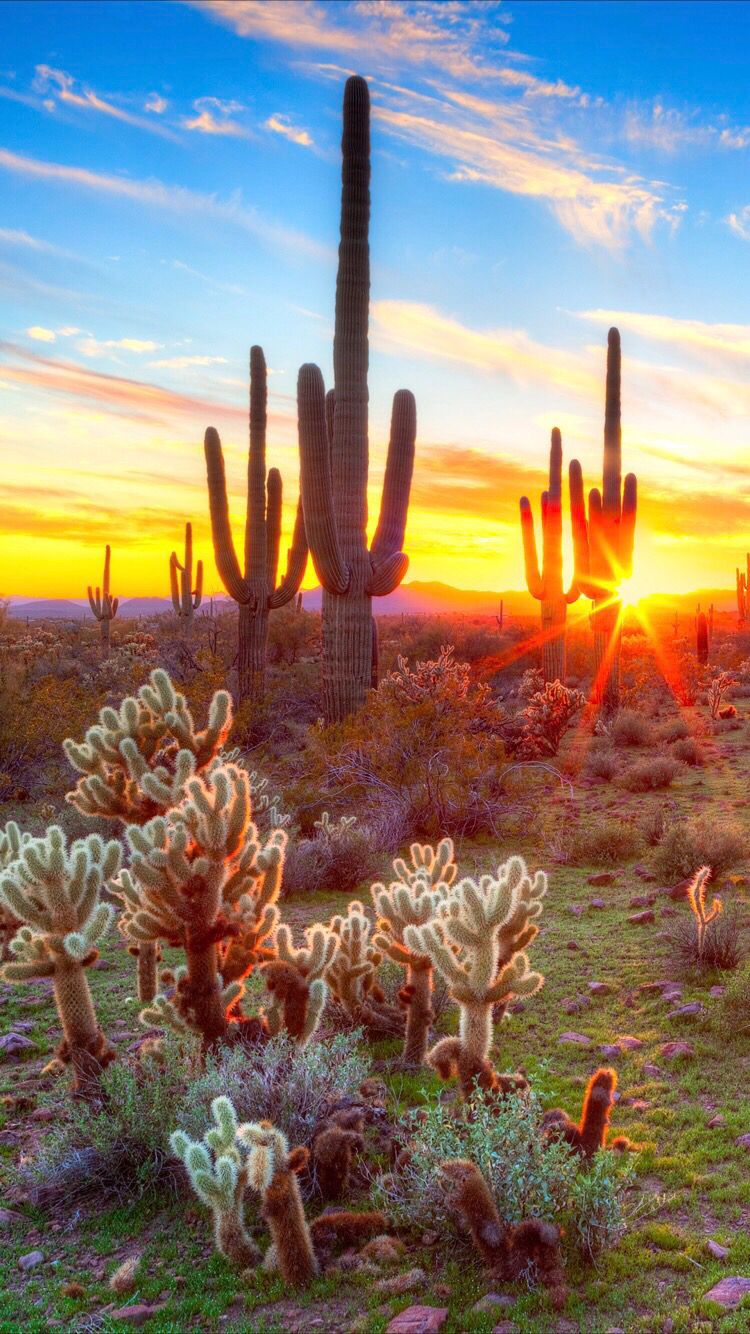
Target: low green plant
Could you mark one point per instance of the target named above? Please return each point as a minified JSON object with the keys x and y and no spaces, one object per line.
{"x":699,"y":842}
{"x":648,"y":775}
{"x":607,"y":842}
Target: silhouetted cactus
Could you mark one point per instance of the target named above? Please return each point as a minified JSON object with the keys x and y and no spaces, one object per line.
{"x":333,"y":436}
{"x":547,"y":585}
{"x":256,"y":591}
{"x":185,"y":599}
{"x":701,"y":638}
{"x":103,"y":605}
{"x":742,"y":593}
{"x":611,"y":530}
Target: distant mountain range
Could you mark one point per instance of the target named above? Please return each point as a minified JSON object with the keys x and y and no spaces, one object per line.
{"x":410,"y":599}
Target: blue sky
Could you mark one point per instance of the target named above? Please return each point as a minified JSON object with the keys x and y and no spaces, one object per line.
{"x":169,"y":193}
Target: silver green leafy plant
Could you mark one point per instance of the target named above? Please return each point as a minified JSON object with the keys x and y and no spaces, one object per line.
{"x":56,"y":893}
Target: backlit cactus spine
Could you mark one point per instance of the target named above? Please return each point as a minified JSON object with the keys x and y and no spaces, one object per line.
{"x":255,"y":591}
{"x":547,"y":585}
{"x":185,"y":599}
{"x":334,"y":449}
{"x":103,"y":605}
{"x":611,"y":532}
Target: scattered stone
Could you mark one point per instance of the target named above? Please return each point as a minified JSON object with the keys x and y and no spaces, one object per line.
{"x":600,"y":988}
{"x":569,"y":1006}
{"x":628,"y":1043}
{"x":672,"y":1051}
{"x":30,"y":1260}
{"x":602,"y":878}
{"x":418,"y":1320}
{"x":686,"y":1011}
{"x":717,"y":991}
{"x":12,"y":1044}
{"x":597,"y":903}
{"x":8,"y":1217}
{"x":492,"y":1301}
{"x":43,"y":1114}
{"x":505,"y":1327}
{"x":576,"y":909}
{"x":743,"y":1141}
{"x":401,"y":1283}
{"x":678,"y":891}
{"x":651,"y":1071}
{"x":138,"y":1314}
{"x":669,"y":911}
{"x":572,"y":945}
{"x":642,"y":901}
{"x":642,"y":918}
{"x":716,"y":1121}
{"x":729,"y":1292}
{"x":718,"y":1252}
{"x":578,"y":1039}
{"x":609,"y":1051}
{"x":651,"y":986}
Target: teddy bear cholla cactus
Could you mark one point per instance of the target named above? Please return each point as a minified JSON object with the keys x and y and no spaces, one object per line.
{"x":201,"y":879}
{"x":413,"y":899}
{"x":352,"y":975}
{"x":55,"y":892}
{"x":478,"y":944}
{"x":296,"y":981}
{"x":273,"y":1172}
{"x":134,"y":765}
{"x":11,"y":842}
{"x":218,"y":1171}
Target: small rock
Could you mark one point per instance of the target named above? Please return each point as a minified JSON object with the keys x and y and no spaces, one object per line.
{"x":678,"y":891}
{"x":642,"y":901}
{"x":30,"y":1260}
{"x":729,"y":1292}
{"x":578,"y":1039}
{"x":600,"y":988}
{"x":718,"y":1252}
{"x":743,"y":1141}
{"x":576,"y":909}
{"x":569,"y":1006}
{"x":602,"y":878}
{"x":12,"y":1044}
{"x":418,"y":1320}
{"x":717,"y":991}
{"x":138,"y":1314}
{"x":572,"y":945}
{"x":609,"y":1051}
{"x":401,"y":1283}
{"x":597,"y":903}
{"x":642,"y":918}
{"x":628,"y":1043}
{"x":8,"y":1217}
{"x":686,"y":1011}
{"x":43,"y":1114}
{"x":669,"y":911}
{"x":505,"y":1327}
{"x":671,"y":1051}
{"x":651,"y":986}
{"x":716,"y":1121}
{"x":651,"y":1071}
{"x":492,"y":1301}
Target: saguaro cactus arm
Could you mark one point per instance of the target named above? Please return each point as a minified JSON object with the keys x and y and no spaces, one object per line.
{"x":224,"y":552}
{"x":316,"y":482}
{"x":547,"y":584}
{"x":185,"y":598}
{"x":389,"y":562}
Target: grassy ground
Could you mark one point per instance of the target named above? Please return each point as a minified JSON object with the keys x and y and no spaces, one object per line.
{"x":692,"y":1182}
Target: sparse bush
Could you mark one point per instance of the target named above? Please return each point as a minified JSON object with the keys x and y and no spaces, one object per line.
{"x":606,"y":843}
{"x":698,"y":842}
{"x":721,"y":946}
{"x":529,"y":1176}
{"x":630,"y":729}
{"x":122,"y":1150}
{"x":687,"y":751}
{"x":650,"y":774}
{"x":673,"y":730}
{"x":341,"y":861}
{"x":602,"y":763}
{"x":655,"y":823}
{"x":733,"y":1014}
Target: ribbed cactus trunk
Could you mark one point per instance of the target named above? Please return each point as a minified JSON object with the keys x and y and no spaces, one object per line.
{"x":607,"y":645}
{"x":334,"y":449}
{"x":185,"y":598}
{"x":554,"y":616}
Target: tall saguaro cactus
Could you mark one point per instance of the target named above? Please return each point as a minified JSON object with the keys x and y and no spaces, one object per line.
{"x":185,"y":599}
{"x":334,"y":449}
{"x":102,"y":604}
{"x":256,"y":591}
{"x":547,"y":585}
{"x":611,"y":531}
{"x":742,"y":591}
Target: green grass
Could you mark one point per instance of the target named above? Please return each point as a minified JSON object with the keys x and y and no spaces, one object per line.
{"x":691,"y":1183}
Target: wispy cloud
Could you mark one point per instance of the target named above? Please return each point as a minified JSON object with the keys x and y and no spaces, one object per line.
{"x":13,"y":237}
{"x":214,"y":116}
{"x":181,"y":363}
{"x":664,"y":129}
{"x":280,"y":124}
{"x":60,"y":87}
{"x":156,"y":104}
{"x":732,"y":340}
{"x":171,"y":198}
{"x":40,"y":334}
{"x":739,"y":223}
{"x":92,"y":347}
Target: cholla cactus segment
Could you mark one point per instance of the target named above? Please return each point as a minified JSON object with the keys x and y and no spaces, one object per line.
{"x":267,"y":1149}
{"x":697,"y":891}
{"x":334,"y":828}
{"x":436,"y":866}
{"x":296,"y":982}
{"x":55,"y":892}
{"x":478,"y":944}
{"x":272,"y":1172}
{"x":315,"y":957}
{"x":219,"y":1177}
{"x":352,"y":972}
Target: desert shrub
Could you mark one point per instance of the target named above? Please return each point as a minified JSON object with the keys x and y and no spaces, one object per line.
{"x":722,"y":947}
{"x":629,"y":728}
{"x":717,"y":689}
{"x":698,"y":842}
{"x":607,"y":842}
{"x":528,"y":1175}
{"x":339,"y":860}
{"x":541,"y":724}
{"x":122,"y":1149}
{"x":602,"y":763}
{"x":733,"y":1013}
{"x":655,"y":823}
{"x":649,"y":774}
{"x":687,"y":751}
{"x":673,"y":730}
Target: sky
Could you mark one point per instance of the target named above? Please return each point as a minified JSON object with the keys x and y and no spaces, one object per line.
{"x":169,"y":195}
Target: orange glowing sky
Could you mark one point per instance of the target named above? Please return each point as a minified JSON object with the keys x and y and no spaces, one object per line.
{"x":156,"y":220}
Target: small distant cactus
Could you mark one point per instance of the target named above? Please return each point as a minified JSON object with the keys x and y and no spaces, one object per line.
{"x":103,"y":605}
{"x":218,"y":1171}
{"x":55,"y":891}
{"x":742,"y":591}
{"x":253,"y":586}
{"x":185,"y":599}
{"x":701,"y":638}
{"x":704,"y":916}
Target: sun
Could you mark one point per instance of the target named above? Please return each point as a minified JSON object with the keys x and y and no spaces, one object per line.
{"x":631,"y":592}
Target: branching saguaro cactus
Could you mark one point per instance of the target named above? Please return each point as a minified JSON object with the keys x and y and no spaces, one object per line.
{"x":103,"y":605}
{"x":742,"y":585}
{"x":55,"y":892}
{"x":412,"y":900}
{"x":218,"y":1172}
{"x":352,"y":976}
{"x":611,"y":531}
{"x":135,"y":763}
{"x":273,"y":1172}
{"x":255,"y":591}
{"x":185,"y":599}
{"x":296,"y":981}
{"x":478,"y":944}
{"x":334,"y":448}
{"x":547,"y":585}
{"x":202,"y":880}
